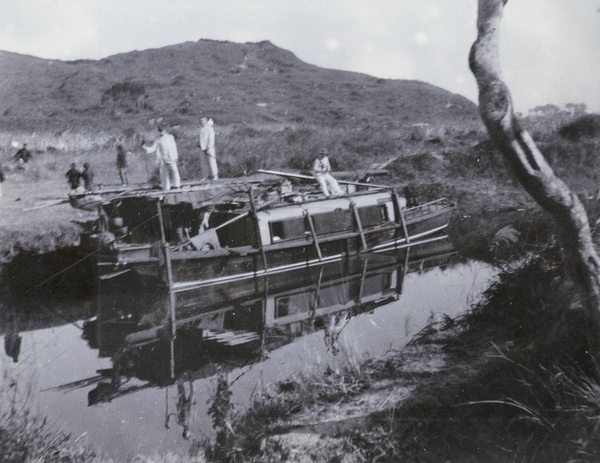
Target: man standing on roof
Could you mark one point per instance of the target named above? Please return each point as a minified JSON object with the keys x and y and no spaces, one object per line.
{"x":166,"y":153}
{"x":321,"y":171}
{"x":206,"y":142}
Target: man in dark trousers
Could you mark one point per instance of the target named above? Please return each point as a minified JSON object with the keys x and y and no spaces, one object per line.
{"x":87,"y":174}
{"x":73,"y":177}
{"x":122,"y":164}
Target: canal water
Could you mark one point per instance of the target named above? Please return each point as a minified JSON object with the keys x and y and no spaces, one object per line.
{"x":128,"y":387}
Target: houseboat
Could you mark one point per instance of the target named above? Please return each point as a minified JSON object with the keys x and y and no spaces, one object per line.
{"x":163,"y":246}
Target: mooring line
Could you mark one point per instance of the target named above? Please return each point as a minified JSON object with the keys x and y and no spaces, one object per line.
{"x":81,"y":260}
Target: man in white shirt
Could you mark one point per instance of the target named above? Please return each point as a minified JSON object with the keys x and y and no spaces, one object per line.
{"x":206,"y":142}
{"x":321,"y":169}
{"x":166,"y":154}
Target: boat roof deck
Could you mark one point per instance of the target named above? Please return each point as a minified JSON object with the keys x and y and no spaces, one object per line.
{"x":205,"y":193}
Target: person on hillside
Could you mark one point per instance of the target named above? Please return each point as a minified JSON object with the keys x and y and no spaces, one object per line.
{"x":206,"y":142}
{"x":321,"y":171}
{"x":73,"y":177}
{"x":87,"y":174}
{"x":166,"y":154}
{"x":122,"y":164}
{"x":23,"y":156}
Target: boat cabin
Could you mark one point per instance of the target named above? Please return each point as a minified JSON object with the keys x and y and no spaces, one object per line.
{"x":201,"y":220}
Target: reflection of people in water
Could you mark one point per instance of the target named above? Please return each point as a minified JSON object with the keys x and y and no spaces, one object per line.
{"x":333,"y":329}
{"x":12,"y":345}
{"x":184,"y":409}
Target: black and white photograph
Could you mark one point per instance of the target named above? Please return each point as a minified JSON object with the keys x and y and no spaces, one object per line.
{"x":299,"y":231}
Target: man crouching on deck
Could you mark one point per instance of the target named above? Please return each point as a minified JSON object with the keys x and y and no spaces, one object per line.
{"x":321,"y":169}
{"x":166,"y":153}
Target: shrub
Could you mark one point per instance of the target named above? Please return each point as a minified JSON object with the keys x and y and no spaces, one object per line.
{"x":125,"y":94}
{"x":585,"y":126}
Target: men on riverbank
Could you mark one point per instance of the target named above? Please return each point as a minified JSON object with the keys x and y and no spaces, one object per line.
{"x":73,"y":177}
{"x":23,"y":156}
{"x":166,"y":154}
{"x":122,"y":164}
{"x":87,"y":175}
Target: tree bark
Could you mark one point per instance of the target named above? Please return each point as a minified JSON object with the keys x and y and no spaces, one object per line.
{"x":528,"y":163}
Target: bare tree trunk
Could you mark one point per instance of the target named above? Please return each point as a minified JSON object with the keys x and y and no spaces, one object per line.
{"x":528,"y":163}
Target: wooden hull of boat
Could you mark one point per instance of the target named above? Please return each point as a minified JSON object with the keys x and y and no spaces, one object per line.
{"x":191,"y":268}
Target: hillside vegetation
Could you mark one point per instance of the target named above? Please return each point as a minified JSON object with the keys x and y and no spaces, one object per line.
{"x":252,"y":83}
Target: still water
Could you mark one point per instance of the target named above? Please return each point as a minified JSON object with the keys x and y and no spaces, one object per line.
{"x":117,"y":382}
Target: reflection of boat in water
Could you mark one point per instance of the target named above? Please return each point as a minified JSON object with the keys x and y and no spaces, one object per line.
{"x":241,"y":322}
{"x":163,"y":247}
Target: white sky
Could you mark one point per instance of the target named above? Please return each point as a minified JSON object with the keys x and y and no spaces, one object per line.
{"x":550,"y":47}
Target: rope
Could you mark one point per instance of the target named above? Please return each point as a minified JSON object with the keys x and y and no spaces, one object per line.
{"x":51,"y":277}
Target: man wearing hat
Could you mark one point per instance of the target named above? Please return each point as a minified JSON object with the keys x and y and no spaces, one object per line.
{"x":321,"y":169}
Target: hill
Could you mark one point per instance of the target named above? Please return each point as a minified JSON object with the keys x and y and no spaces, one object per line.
{"x":253,"y":83}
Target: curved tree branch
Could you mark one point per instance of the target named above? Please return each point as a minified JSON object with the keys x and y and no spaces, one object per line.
{"x":527,"y":162}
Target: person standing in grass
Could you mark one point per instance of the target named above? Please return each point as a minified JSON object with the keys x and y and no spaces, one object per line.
{"x":122,"y":164}
{"x":87,"y":174}
{"x":206,"y":143}
{"x":321,"y":171}
{"x":23,"y":156}
{"x":1,"y":180}
{"x":166,"y":153}
{"x":73,"y":177}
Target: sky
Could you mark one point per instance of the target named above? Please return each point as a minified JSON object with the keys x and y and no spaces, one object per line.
{"x":549,"y":48}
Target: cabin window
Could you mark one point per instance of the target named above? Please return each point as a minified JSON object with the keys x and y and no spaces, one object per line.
{"x":335,"y":295}
{"x":287,"y":229}
{"x":332,"y":222}
{"x":373,"y":215}
{"x":376,"y":284}
{"x":291,"y":305}
{"x":238,"y":233}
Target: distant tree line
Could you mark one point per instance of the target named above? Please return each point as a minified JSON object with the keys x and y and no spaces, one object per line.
{"x":574,"y":109}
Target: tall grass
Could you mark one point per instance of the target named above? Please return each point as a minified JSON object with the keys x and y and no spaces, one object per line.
{"x":80,"y":139}
{"x":243,"y":148}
